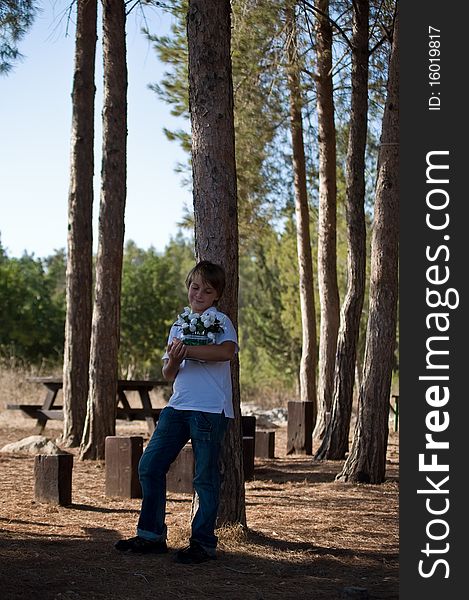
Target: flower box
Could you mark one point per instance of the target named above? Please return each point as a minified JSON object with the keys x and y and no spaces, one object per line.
{"x":195,"y":340}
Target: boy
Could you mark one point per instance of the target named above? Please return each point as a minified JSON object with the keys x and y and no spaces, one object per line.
{"x":199,"y":409}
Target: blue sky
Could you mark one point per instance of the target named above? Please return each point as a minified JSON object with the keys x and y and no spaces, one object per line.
{"x":35,"y":121}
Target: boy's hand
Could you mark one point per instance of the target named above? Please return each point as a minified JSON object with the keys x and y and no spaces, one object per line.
{"x":177,"y":351}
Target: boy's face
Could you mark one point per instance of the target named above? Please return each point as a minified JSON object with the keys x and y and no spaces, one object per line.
{"x":201,"y":295}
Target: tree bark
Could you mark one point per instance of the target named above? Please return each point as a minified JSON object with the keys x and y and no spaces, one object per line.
{"x":327,"y":231}
{"x":335,"y":443}
{"x":79,"y":276}
{"x":101,"y":413}
{"x":215,"y":198}
{"x":308,"y":363}
{"x":366,"y":462}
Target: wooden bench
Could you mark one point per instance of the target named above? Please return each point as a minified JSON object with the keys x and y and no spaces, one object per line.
{"x":48,"y":410}
{"x":35,"y":411}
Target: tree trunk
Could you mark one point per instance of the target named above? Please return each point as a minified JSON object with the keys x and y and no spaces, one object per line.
{"x":101,"y":413}
{"x":215,"y":197}
{"x":308,"y":363}
{"x":367,"y":460}
{"x":335,"y":442}
{"x":79,"y":278}
{"x":327,"y":232}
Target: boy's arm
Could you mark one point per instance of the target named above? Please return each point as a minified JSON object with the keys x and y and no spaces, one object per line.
{"x":212,"y":352}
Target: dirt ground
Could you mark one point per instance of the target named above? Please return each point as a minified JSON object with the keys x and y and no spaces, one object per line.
{"x":308,"y":536}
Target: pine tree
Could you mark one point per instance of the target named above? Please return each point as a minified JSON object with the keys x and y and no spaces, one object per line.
{"x":80,"y":229}
{"x":215,"y":197}
{"x":366,"y":462}
{"x":101,"y":412}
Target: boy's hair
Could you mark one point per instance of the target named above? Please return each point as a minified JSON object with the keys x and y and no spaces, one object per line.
{"x":209,"y":273}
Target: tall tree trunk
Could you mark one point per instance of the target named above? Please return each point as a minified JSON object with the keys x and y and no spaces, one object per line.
{"x":327,"y":232}
{"x":79,"y":278}
{"x":215,"y":197}
{"x":101,"y":413}
{"x":366,"y":462}
{"x":335,"y":442}
{"x":308,"y":363}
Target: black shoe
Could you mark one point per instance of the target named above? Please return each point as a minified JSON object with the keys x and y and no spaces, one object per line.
{"x":194,"y":554}
{"x":142,"y":546}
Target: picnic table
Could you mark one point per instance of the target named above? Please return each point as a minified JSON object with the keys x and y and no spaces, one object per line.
{"x":48,"y":410}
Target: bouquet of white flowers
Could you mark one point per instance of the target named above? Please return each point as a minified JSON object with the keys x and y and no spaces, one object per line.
{"x":198,"y":330}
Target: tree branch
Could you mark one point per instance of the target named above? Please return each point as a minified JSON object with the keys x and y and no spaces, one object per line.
{"x":316,"y":10}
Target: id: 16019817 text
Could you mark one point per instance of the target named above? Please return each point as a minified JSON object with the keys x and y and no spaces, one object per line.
{"x":434,"y":68}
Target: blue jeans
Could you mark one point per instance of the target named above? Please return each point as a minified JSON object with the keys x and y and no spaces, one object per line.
{"x":174,"y":429}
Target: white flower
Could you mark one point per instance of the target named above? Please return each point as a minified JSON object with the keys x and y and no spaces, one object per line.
{"x":192,"y":327}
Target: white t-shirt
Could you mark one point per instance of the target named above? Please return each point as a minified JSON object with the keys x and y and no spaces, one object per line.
{"x":204,"y":385}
